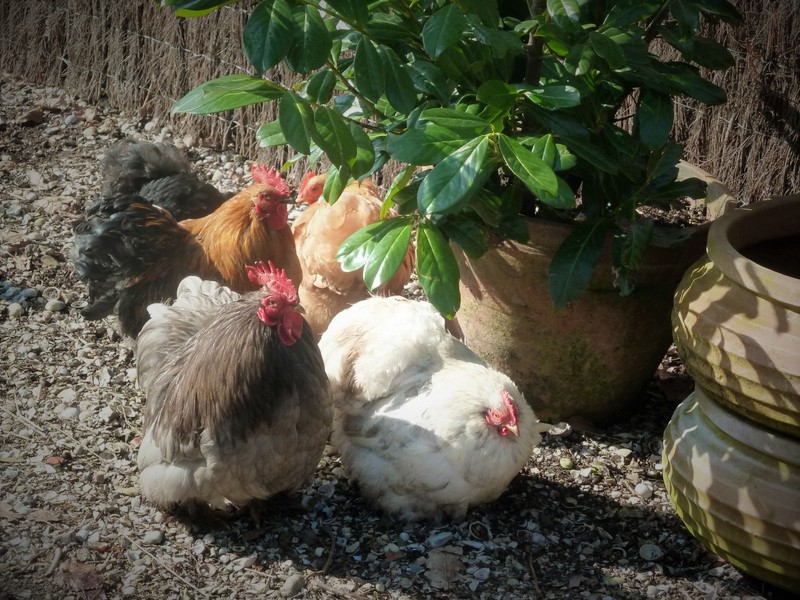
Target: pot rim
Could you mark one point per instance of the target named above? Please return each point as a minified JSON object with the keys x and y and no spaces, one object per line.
{"x":750,"y":433}
{"x":758,"y":222}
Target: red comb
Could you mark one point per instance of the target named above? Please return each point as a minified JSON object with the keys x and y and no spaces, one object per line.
{"x":275,"y":279}
{"x":511,"y":406}
{"x":306,"y":178}
{"x":262,"y":174}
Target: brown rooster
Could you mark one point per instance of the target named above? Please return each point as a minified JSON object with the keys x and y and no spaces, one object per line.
{"x":326,"y":289}
{"x":132,"y":253}
{"x":238,"y":403}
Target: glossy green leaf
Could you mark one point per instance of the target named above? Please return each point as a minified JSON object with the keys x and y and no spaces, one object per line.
{"x":312,"y":43}
{"x":333,"y":135}
{"x":575,"y":260}
{"x":387,"y":27}
{"x":335,"y":183}
{"x":497,"y":93}
{"x":388,"y":254}
{"x":195,"y":8}
{"x":270,"y":134}
{"x":591,"y":153}
{"x":654,"y":118}
{"x":554,"y":97}
{"x":429,"y":79}
{"x":555,"y":155}
{"x":456,"y":120}
{"x":544,"y":148}
{"x":703,"y":51}
{"x":501,"y":43}
{"x":425,"y":146}
{"x":688,"y":79}
{"x":687,"y":15}
{"x":565,"y":13}
{"x":226,"y":93}
{"x":563,"y":198}
{"x":455,"y":178}
{"x":351,"y":10}
{"x":532,"y":171}
{"x":269,"y":34}
{"x":365,"y":154}
{"x":321,"y":85}
{"x":488,"y":207}
{"x":399,"y":87}
{"x":662,"y":168}
{"x":400,"y":181}
{"x":579,"y":59}
{"x":437,"y":270}
{"x":722,"y":9}
{"x":294,"y":115}
{"x":625,"y":14}
{"x":355,"y":251}
{"x":608,"y":50}
{"x":443,"y":29}
{"x":368,"y":70}
{"x":466,"y":233}
{"x":629,"y":248}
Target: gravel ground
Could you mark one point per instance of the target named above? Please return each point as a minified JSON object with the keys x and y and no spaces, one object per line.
{"x":587,"y":518}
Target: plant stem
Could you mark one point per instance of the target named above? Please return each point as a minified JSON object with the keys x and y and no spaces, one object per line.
{"x":661,"y":13}
{"x":346,"y":83}
{"x":533,"y":48}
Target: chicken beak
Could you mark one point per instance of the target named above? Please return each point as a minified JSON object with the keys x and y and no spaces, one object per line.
{"x":290,"y":199}
{"x":513,"y":429}
{"x":299,"y":308}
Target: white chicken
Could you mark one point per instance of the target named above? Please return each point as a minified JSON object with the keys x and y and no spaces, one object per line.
{"x":238,"y":404}
{"x":422,"y":423}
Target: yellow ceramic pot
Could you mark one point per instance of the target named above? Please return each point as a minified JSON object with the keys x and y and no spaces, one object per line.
{"x":736,"y":485}
{"x":736,"y":320}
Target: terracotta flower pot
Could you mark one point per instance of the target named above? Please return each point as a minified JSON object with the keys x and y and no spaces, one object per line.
{"x":591,"y":358}
{"x":736,"y":485}
{"x":736,"y":320}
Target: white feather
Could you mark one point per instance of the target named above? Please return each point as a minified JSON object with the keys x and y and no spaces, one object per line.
{"x":410,"y":402}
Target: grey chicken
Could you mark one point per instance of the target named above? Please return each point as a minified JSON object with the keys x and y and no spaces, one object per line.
{"x":238,"y":403}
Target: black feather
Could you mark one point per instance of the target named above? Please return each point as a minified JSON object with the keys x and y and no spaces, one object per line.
{"x":131,"y":253}
{"x":161,"y":174}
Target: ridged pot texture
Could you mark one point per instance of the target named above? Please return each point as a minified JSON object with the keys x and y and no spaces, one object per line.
{"x":736,"y":319}
{"x":736,"y":486}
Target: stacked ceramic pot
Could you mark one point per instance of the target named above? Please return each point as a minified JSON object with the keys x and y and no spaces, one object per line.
{"x":732,"y":448}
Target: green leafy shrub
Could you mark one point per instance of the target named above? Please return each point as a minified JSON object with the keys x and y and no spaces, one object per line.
{"x":497,"y":111}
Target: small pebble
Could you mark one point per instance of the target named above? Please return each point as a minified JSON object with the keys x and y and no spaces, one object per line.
{"x":644,"y":490}
{"x":566,"y":463}
{"x":650,"y":552}
{"x":54,"y":305}
{"x":439,"y":539}
{"x":69,"y":413}
{"x":153,"y":538}
{"x":293,"y":585}
{"x":16,"y":310}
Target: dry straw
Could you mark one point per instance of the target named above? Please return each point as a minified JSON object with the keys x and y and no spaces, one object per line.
{"x":141,"y":58}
